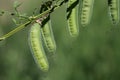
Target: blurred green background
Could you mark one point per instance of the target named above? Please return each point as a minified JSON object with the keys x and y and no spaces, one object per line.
{"x":93,"y":55}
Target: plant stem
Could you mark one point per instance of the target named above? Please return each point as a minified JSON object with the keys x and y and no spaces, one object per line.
{"x":27,"y":23}
{"x":14,"y":30}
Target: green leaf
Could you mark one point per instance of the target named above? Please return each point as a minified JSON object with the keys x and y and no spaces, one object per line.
{"x":13,"y":19}
{"x":16,"y":4}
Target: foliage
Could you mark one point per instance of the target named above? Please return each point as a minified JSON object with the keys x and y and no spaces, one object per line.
{"x":92,"y":55}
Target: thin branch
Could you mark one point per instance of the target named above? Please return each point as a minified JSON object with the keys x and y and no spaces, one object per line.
{"x":31,"y":19}
{"x":15,"y":30}
{"x":22,"y":26}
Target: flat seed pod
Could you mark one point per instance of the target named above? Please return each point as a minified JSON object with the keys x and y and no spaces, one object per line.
{"x":86,"y":11}
{"x":48,"y":36}
{"x":114,"y":10}
{"x":72,"y":17}
{"x":35,"y":43}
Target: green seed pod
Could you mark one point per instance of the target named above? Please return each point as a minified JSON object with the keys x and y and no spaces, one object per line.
{"x":72,"y":17}
{"x":86,"y":11}
{"x":114,"y":10}
{"x":48,"y":37}
{"x":37,"y":48}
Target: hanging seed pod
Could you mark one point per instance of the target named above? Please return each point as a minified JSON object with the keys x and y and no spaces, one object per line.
{"x":48,"y":36}
{"x":86,"y":11}
{"x":46,"y":29}
{"x":72,"y":17}
{"x":37,"y":48}
{"x":114,"y":10}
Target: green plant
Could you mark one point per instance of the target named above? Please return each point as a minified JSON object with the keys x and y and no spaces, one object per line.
{"x":51,"y":6}
{"x":35,"y":42}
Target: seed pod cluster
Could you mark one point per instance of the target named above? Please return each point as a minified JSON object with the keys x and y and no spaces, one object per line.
{"x":41,"y":31}
{"x":114,"y":10}
{"x":40,"y":34}
{"x":35,"y":41}
{"x":72,"y":17}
